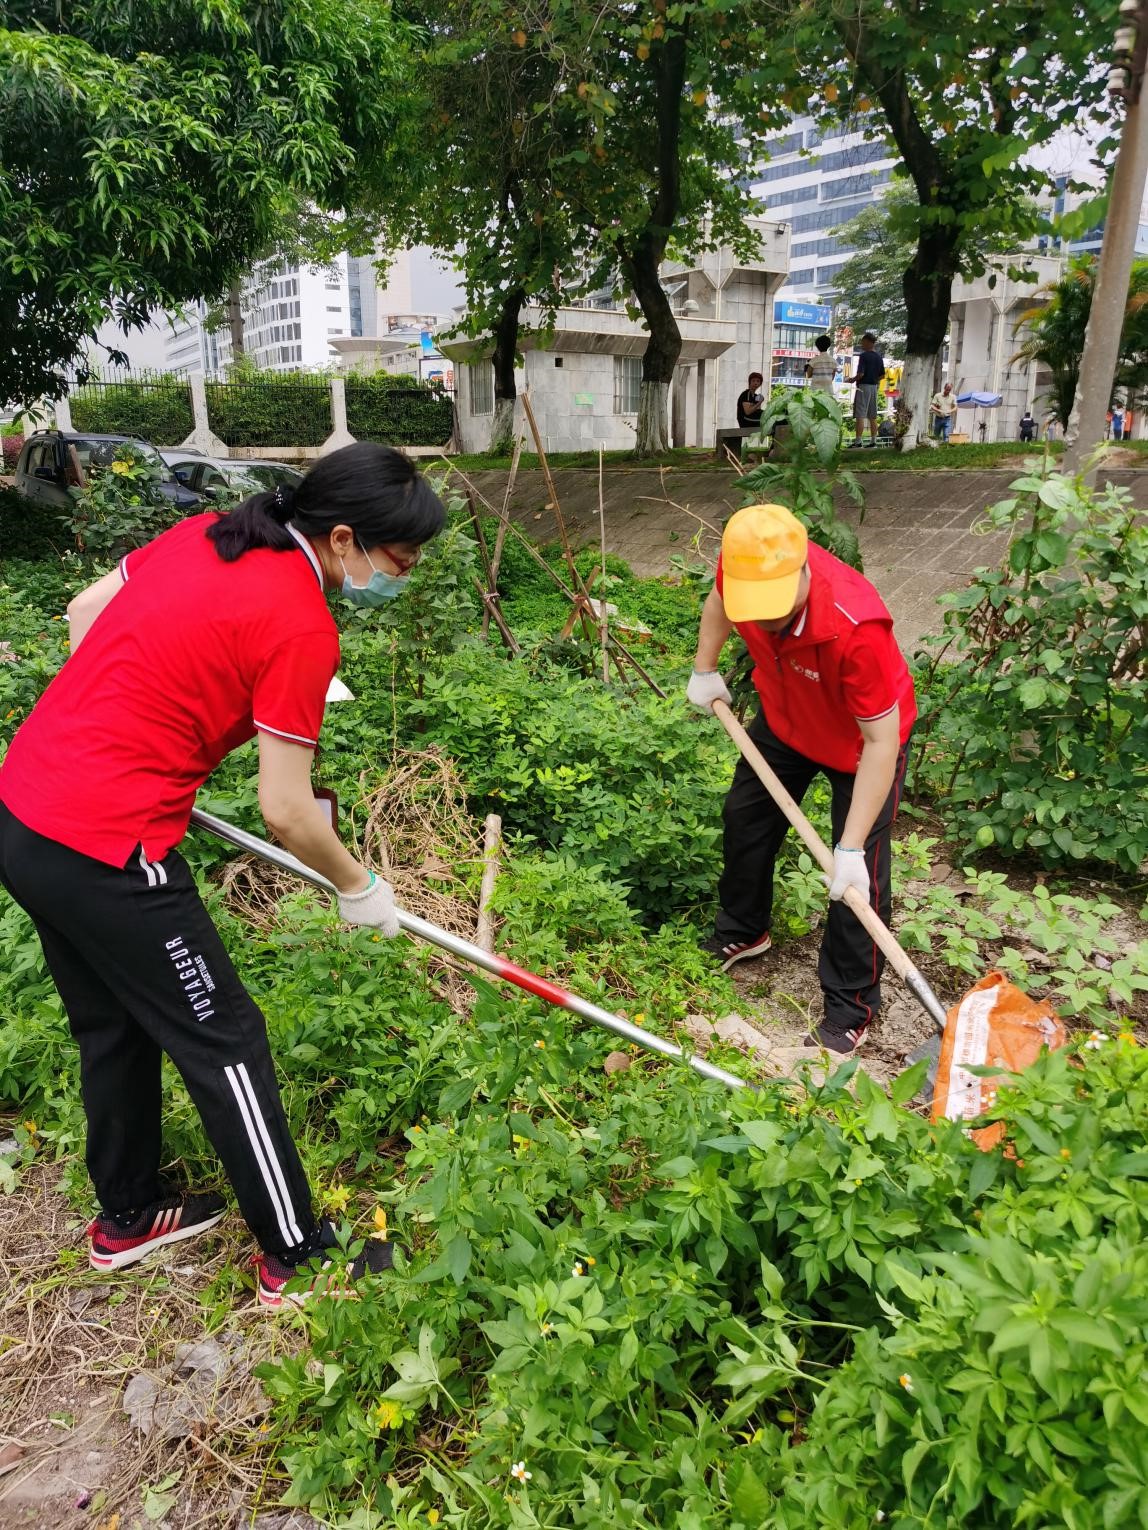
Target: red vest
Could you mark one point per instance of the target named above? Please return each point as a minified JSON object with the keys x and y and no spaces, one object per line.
{"x":838,"y":665}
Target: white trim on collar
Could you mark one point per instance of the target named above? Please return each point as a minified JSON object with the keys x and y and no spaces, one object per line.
{"x":800,"y":628}
{"x":310,"y":551}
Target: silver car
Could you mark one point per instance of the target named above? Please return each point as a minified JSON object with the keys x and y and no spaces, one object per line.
{"x":222,"y":477}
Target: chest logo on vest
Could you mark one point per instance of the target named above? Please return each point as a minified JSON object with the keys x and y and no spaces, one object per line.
{"x":810,"y":674}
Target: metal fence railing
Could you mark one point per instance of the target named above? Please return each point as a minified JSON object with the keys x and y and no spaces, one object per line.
{"x":159,"y":411}
{"x":293,"y":411}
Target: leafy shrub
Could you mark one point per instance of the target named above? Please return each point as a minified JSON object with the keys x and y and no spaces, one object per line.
{"x":120,"y":506}
{"x":267,"y":409}
{"x":26,"y":531}
{"x":398,"y":411}
{"x":33,"y":645}
{"x":159,"y":412}
{"x":805,"y":467}
{"x":1040,"y":685}
{"x":10,"y":449}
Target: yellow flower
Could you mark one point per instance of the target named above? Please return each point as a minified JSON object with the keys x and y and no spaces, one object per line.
{"x":337,"y":1198}
{"x":380,"y":1222}
{"x":540,"y":1043}
{"x":120,"y":468}
{"x":591,"y":1261}
{"x":579,"y":1268}
{"x":433,"y":1516}
{"x":389,"y":1415}
{"x":31,"y":1128}
{"x":546,"y":1330}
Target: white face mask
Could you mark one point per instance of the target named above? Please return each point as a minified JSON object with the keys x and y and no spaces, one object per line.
{"x":379,"y":588}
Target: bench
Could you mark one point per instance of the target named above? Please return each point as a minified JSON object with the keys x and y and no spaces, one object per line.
{"x":730,"y":437}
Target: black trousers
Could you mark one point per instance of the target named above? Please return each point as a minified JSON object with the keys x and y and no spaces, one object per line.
{"x":142,"y":971}
{"x":850,"y":965}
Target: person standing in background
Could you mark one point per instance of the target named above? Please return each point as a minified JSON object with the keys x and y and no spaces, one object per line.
{"x":749,"y":402}
{"x":870,"y":369}
{"x":1118,"y":423}
{"x":823,"y":368}
{"x":943,"y":408}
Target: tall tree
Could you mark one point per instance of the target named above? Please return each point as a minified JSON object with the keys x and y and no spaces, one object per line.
{"x":147,"y":153}
{"x":965,"y":91}
{"x":471,"y":174}
{"x":664,"y":115}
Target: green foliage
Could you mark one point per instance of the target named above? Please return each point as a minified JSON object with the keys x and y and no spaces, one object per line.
{"x":668,"y":1307}
{"x":159,"y":412}
{"x":1055,"y":329}
{"x":120,"y":506}
{"x":10,"y":449}
{"x":269,"y":409}
{"x":806,"y":467}
{"x":149,"y":152}
{"x":26,"y":531}
{"x":35,"y":644}
{"x":397,"y":411}
{"x":1040,"y":685}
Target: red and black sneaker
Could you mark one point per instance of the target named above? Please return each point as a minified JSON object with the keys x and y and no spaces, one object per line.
{"x":730,"y":951}
{"x":315,"y":1275}
{"x":114,"y":1244}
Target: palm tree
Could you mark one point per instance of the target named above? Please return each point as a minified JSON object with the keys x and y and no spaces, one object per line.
{"x":1056,"y":330}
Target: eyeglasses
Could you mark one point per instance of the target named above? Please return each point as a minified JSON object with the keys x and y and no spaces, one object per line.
{"x":404,"y":565}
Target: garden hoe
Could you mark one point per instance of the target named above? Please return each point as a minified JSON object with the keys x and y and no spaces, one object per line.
{"x":994,"y":1024}
{"x":466,"y":951}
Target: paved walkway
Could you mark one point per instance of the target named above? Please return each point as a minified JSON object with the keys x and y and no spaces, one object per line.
{"x":917,"y":536}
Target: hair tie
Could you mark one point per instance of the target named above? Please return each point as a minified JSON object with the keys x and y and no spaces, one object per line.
{"x":282,"y":503}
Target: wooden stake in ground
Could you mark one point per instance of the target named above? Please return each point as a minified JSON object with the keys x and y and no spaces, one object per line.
{"x":602,"y":587}
{"x":491,"y":849}
{"x":500,"y":538}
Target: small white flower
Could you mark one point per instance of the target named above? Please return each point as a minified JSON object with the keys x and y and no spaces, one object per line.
{"x":1095,"y":1041}
{"x":906,"y":1381}
{"x":540,"y":1043}
{"x":879,"y":1516}
{"x":519,"y":1473}
{"x":579,"y":1268}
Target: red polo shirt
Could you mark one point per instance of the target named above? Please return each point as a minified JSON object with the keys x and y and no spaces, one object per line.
{"x":837,"y":666}
{"x":191,"y":657}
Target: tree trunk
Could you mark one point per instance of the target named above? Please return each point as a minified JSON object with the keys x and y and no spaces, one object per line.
{"x":928,"y":288}
{"x":505,"y":383}
{"x":235,"y":321}
{"x":662,"y":349}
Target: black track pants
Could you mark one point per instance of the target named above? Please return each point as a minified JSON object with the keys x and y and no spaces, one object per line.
{"x":141,"y":970}
{"x":850,"y":966}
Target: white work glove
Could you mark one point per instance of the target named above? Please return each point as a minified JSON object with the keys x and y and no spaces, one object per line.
{"x":849,"y":870}
{"x":374,"y":906}
{"x":706,"y":687}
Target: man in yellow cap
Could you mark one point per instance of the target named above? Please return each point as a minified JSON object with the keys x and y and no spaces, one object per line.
{"x":837,"y":697}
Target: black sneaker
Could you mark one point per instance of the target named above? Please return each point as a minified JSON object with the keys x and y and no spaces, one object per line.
{"x":112,"y":1245}
{"x":310,"y":1272}
{"x":730,"y":951}
{"x":842,"y":1042}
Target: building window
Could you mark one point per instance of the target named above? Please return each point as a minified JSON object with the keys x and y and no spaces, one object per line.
{"x":627,"y":384}
{"x":335,"y":308}
{"x":798,"y":278}
{"x":334,"y":331}
{"x":481,"y":375}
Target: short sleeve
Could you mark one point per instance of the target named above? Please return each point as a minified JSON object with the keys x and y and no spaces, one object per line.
{"x":871,"y":672}
{"x":291,"y":687}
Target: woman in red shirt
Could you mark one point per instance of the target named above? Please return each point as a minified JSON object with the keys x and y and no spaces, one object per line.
{"x":216,"y":632}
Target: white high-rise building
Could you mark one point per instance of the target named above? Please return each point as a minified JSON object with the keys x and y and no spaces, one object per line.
{"x":291,"y":313}
{"x":815,"y":181}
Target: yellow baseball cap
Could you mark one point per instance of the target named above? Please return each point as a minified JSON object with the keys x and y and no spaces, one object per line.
{"x":763,"y":550}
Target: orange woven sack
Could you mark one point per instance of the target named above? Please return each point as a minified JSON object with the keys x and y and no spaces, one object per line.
{"x":994,"y":1025}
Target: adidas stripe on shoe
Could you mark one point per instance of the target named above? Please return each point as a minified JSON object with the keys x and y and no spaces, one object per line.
{"x":730,"y":951}
{"x":314,"y":1278}
{"x":112,"y":1246}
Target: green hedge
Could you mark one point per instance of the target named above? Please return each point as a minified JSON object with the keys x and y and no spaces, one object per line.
{"x":159,"y":412}
{"x":272,"y":412}
{"x":398,"y":413}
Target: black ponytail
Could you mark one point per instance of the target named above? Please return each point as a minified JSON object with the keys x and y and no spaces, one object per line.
{"x":373,"y":489}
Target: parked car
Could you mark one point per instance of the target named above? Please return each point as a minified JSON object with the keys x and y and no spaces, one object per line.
{"x":53,"y":461}
{"x":209,"y":476}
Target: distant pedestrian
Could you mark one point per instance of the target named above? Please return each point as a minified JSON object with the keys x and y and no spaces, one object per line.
{"x":1050,"y":431}
{"x":1108,"y":425}
{"x":823,"y":368}
{"x":1027,"y":426}
{"x":943,"y":408}
{"x":867,"y":375}
{"x":1128,"y":425}
{"x":749,"y":402}
{"x":1118,"y":424}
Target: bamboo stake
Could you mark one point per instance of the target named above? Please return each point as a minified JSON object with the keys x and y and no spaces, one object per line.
{"x":602,"y":590}
{"x":500,"y":538}
{"x":491,"y":849}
